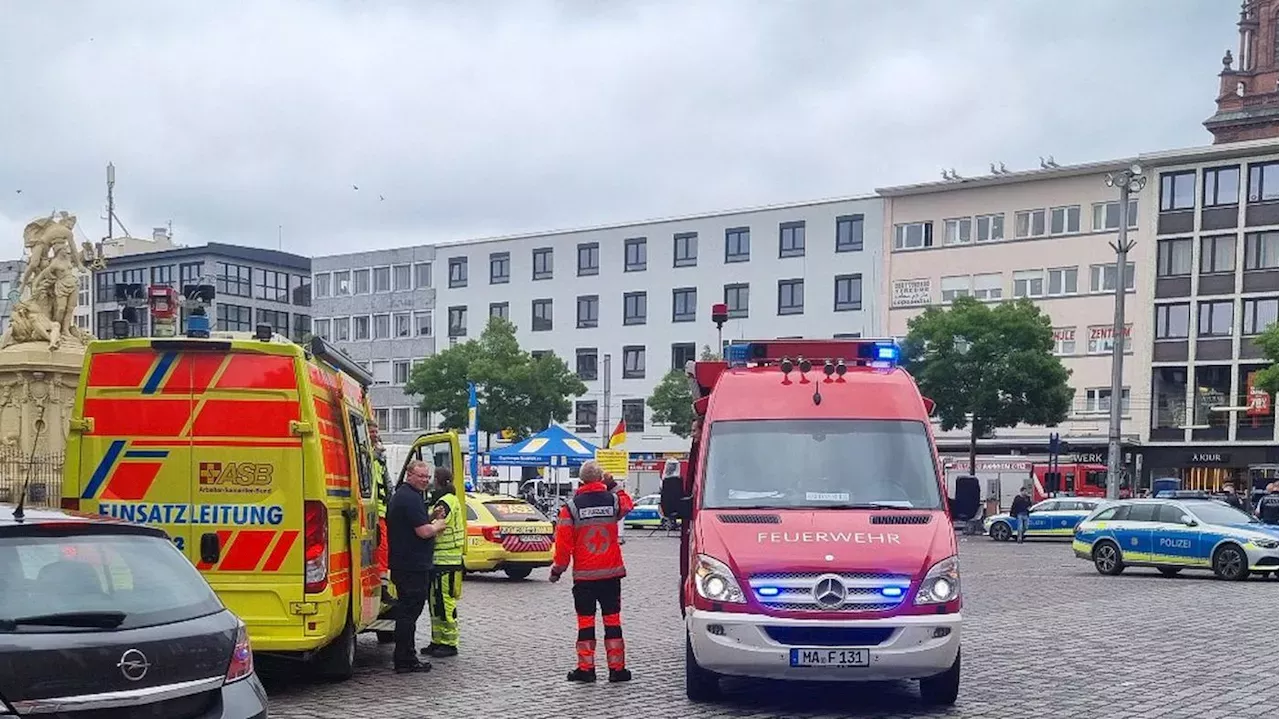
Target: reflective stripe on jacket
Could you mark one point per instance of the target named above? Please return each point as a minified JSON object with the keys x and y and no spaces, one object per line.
{"x":587,"y":532}
{"x":449,"y":542}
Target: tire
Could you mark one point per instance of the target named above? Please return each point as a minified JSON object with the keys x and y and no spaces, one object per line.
{"x":700,"y":685}
{"x":1107,"y":559}
{"x":941,"y":690}
{"x":337,"y":661}
{"x":1169,"y":571}
{"x":1231,"y":563}
{"x":1001,"y":531}
{"x":518,"y":572}
{"x":386,"y":637}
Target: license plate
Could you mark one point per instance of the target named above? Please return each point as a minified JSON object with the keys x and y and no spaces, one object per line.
{"x":830,"y":657}
{"x":524,"y":529}
{"x":532,"y":538}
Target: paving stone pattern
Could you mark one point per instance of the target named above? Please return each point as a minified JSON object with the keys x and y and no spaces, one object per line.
{"x":1045,"y":636}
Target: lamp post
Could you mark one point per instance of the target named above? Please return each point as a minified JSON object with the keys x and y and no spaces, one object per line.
{"x":1129,"y":181}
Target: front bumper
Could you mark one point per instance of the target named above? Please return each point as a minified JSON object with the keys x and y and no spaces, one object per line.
{"x":245,"y":699}
{"x":742,"y":647}
{"x":1262,"y":559}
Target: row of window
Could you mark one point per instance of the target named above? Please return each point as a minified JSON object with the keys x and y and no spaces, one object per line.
{"x":1216,"y":318}
{"x":402,"y":419}
{"x":386,"y":326}
{"x":1040,"y":222}
{"x":227,"y":318}
{"x":1217,"y":254}
{"x":1190,"y":398}
{"x":1220,"y":186}
{"x":371,"y":280}
{"x":684,"y":252}
{"x":586,"y":414}
{"x":1099,"y":340}
{"x":230,"y":279}
{"x":1052,"y":282}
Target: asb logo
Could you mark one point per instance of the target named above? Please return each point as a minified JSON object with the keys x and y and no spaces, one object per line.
{"x":244,"y":477}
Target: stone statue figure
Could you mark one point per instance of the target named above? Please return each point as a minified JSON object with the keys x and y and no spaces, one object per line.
{"x":50,"y":284}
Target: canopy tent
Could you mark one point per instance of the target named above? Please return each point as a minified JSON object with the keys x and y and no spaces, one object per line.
{"x":552,"y":447}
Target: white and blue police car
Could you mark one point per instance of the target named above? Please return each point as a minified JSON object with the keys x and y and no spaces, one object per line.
{"x":1056,"y":517}
{"x":1175,"y":534}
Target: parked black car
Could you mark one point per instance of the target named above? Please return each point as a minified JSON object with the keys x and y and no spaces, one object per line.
{"x":102,"y":619}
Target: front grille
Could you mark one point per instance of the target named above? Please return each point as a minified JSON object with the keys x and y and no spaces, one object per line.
{"x":861,"y":591}
{"x":830,"y":636}
{"x":900,"y":519}
{"x":526,"y":543}
{"x":749,"y":518}
{"x":188,"y":707}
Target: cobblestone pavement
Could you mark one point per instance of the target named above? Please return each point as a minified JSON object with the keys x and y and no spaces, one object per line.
{"x":1045,"y":636}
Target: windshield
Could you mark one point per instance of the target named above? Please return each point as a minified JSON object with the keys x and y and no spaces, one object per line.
{"x":143,"y":578}
{"x":1217,"y":513}
{"x":817,"y":463}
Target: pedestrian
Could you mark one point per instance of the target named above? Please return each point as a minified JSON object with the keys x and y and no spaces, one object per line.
{"x":381,"y":495}
{"x":411,"y":532}
{"x":1268,"y":509}
{"x":1230,"y":497}
{"x":446,"y":574}
{"x":1021,"y":509}
{"x":587,"y":537}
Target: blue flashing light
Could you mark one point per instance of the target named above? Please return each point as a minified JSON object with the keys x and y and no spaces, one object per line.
{"x":768,"y":591}
{"x":198,"y":325}
{"x":737,"y":355}
{"x":889,"y":353}
{"x":891,"y":591}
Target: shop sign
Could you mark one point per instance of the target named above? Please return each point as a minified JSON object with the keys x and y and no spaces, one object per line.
{"x":910,"y":293}
{"x":1106,"y":332}
{"x":1064,"y":334}
{"x":1210,"y":458}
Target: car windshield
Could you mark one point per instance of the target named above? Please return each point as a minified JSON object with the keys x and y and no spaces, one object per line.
{"x":79,"y":581}
{"x":1218,"y":513}
{"x":810,"y":463}
{"x":514,"y":511}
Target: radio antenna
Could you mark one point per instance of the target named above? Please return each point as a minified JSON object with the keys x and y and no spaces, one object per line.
{"x":19,"y":511}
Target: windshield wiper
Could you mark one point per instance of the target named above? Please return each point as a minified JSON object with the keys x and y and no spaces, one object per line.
{"x":746,"y":506}
{"x":85,"y":620}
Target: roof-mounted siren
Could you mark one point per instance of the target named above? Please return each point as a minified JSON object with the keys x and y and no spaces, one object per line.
{"x":720,"y":315}
{"x":131,"y":297}
{"x":163,"y":301}
{"x":340,"y":361}
{"x":196,"y":300}
{"x":839,"y":353}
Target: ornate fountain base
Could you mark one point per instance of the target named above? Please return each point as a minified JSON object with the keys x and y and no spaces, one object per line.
{"x":37,"y":395}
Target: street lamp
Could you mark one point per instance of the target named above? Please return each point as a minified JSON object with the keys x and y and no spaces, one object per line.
{"x":1129,"y":181}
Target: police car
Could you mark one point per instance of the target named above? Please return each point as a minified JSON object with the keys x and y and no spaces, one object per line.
{"x":1055,"y":517}
{"x":1176,"y":534}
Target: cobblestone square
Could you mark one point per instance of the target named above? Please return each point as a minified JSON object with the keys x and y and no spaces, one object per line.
{"x":1045,"y":636}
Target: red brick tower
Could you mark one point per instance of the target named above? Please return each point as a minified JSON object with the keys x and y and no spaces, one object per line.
{"x":1247,"y":94}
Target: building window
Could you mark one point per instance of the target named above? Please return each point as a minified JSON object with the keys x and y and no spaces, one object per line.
{"x":1264,"y":182}
{"x":1217,"y":254}
{"x":401,"y":419}
{"x":588,"y":259}
{"x":633,"y":362}
{"x":321,"y":281}
{"x":1063,"y":281}
{"x":382,"y":279}
{"x":682,"y":353}
{"x":955,"y":286}
{"x":162,"y":275}
{"x":382,"y":418}
{"x":278,"y":321}
{"x":499,"y":268}
{"x":301,"y":327}
{"x":341,"y":329}
{"x":402,"y":277}
{"x":300,"y":290}
{"x":457,"y":272}
{"x":588,"y":311}
{"x":234,"y":318}
{"x":848,"y":293}
{"x":633,"y":414}
{"x":957,"y":231}
{"x":737,"y":297}
{"x":271,"y":286}
{"x":1221,"y":186}
{"x":1097,"y":400}
{"x":1028,"y":283}
{"x":400,"y":371}
{"x":322,"y":329}
{"x":685,"y":249}
{"x":342,"y":283}
{"x":500,"y":309}
{"x":913,"y":236}
{"x":636,"y":254}
{"x":791,"y":297}
{"x":635,"y":308}
{"x":988,"y":228}
{"x":543,"y":263}
{"x":362,"y":284}
{"x":1102,"y":278}
{"x":233,"y":280}
{"x":1215,"y":318}
{"x":1064,"y":341}
{"x":1177,"y":191}
{"x":737,"y":244}
{"x":360,"y":328}
{"x":684,"y":304}
{"x":1029,"y":223}
{"x":1173,"y":322}
{"x":457,"y":321}
{"x":1106,"y":215}
{"x":588,"y":363}
{"x":1261,"y":250}
{"x":1169,"y":398}
{"x":190,"y":273}
{"x":849,"y":233}
{"x":381,"y":371}
{"x":542,"y":316}
{"x":1101,"y":339}
{"x":1173,"y":257}
{"x":402,"y":325}
{"x":1064,"y":220}
{"x":989,"y":286}
{"x":423,"y":323}
{"x":105,"y":288}
{"x":382,"y":327}
{"x":1259,"y":313}
{"x":421,"y":275}
{"x":791,"y":239}
{"x":585,"y":414}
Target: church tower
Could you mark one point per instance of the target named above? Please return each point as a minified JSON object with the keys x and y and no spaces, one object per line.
{"x":1248,"y":85}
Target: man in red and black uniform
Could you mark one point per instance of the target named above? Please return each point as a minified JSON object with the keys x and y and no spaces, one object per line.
{"x":587,"y":534}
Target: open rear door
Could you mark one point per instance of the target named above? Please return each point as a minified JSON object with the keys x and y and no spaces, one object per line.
{"x":441,"y":450}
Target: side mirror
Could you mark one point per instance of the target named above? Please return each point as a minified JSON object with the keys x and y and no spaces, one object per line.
{"x":672,"y":501}
{"x":1187,"y":520}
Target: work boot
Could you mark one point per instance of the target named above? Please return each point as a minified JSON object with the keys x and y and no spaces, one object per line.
{"x":428,"y":650}
{"x":586,"y":676}
{"x":440,"y":651}
{"x":407,"y":668}
{"x":619,"y":675}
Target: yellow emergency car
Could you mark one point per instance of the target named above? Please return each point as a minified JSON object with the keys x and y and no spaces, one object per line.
{"x":253,"y":453}
{"x":507,"y":534}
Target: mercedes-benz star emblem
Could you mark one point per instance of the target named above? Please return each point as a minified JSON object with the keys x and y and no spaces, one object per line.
{"x":134,"y":665}
{"x":829,"y":592}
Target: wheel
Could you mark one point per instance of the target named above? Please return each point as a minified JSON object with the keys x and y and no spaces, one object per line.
{"x":386,"y":637}
{"x":700,"y":685}
{"x":1169,"y":571}
{"x":1106,"y":558}
{"x":518,"y":572}
{"x":337,"y":661}
{"x":1230,"y":563}
{"x":1001,"y":531}
{"x":941,"y":690}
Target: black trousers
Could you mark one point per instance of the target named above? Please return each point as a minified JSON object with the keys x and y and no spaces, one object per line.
{"x":411,"y":596}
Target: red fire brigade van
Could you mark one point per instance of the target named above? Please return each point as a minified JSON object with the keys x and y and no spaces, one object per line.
{"x":817,"y":543}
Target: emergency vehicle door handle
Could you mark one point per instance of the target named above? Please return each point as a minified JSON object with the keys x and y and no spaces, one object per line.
{"x":299,"y":428}
{"x":81,"y":424}
{"x":210,"y":550}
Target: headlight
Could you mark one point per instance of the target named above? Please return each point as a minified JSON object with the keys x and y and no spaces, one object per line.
{"x":714,"y":581}
{"x":941,"y":584}
{"x":1265,"y":543}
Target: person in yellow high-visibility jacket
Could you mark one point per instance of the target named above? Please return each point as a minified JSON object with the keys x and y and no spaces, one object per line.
{"x":446,"y":574}
{"x":381,"y":495}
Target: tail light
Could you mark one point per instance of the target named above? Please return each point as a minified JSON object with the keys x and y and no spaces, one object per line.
{"x":71,"y":504}
{"x":493,"y":534}
{"x":316,"y":524}
{"x":241,"y":657}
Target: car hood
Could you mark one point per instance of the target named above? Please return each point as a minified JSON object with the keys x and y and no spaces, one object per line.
{"x":1252,"y":530}
{"x":826,"y":540}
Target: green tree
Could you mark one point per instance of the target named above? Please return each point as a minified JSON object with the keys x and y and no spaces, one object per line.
{"x":1266,"y":378}
{"x":672,"y":402}
{"x":988,"y":366}
{"x":707,"y":355}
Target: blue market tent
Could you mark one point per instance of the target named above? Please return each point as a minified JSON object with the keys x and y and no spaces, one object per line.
{"x":552,"y":447}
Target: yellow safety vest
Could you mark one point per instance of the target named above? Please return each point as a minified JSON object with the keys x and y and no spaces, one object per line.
{"x":380,"y":488}
{"x":449,"y":542}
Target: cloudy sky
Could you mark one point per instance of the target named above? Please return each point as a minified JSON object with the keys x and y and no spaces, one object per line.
{"x":234,"y":119}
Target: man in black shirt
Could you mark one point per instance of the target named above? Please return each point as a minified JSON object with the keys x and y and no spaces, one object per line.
{"x":1021,"y":511}
{"x":411,"y":532}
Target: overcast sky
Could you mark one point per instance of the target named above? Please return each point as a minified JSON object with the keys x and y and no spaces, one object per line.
{"x":237,"y":117}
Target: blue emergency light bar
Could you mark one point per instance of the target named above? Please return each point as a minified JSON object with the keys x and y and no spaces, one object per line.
{"x":876,"y":352}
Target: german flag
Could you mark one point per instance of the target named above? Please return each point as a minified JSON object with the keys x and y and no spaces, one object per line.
{"x":619,"y":436}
